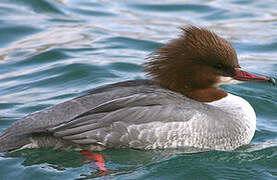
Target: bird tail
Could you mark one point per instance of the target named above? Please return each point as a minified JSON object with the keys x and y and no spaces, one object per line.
{"x":9,"y":142}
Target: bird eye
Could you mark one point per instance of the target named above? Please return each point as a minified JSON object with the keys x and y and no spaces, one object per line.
{"x":219,"y":66}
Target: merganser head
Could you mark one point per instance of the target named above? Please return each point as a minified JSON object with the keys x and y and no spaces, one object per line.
{"x":196,"y":63}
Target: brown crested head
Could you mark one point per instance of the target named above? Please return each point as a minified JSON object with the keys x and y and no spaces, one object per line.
{"x":194,"y":64}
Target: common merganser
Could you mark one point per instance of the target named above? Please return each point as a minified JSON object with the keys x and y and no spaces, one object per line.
{"x":181,"y":105}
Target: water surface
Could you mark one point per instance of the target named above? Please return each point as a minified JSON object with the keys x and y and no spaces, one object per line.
{"x":54,"y":50}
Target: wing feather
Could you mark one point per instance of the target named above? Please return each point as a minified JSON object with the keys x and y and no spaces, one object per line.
{"x":111,"y":121}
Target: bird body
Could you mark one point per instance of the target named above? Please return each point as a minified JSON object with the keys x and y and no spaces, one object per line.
{"x":180,"y":105}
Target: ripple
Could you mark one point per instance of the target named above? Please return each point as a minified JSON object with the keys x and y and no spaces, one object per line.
{"x":257,"y":48}
{"x":43,"y":41}
{"x":130,"y":43}
{"x":49,"y":56}
{"x":88,"y":12}
{"x":14,"y":33}
{"x":40,"y":6}
{"x":226,"y":14}
{"x":172,"y":7}
{"x":125,"y":67}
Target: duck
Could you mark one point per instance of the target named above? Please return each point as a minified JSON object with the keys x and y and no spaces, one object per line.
{"x":179,"y":104}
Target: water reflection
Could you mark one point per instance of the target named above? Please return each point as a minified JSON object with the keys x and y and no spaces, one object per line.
{"x":120,"y":162}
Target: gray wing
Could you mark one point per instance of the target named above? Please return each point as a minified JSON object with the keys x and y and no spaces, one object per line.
{"x":118,"y":122}
{"x":127,"y":114}
{"x":108,"y":99}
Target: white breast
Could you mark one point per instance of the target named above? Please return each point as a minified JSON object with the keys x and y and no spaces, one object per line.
{"x":242,"y":113}
{"x":239,"y":109}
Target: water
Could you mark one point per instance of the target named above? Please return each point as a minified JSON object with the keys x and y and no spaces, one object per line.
{"x":54,"y":50}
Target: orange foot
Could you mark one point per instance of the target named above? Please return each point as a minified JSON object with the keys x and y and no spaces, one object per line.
{"x":97,"y":160}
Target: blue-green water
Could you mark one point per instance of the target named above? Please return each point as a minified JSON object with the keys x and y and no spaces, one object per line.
{"x":54,"y":50}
